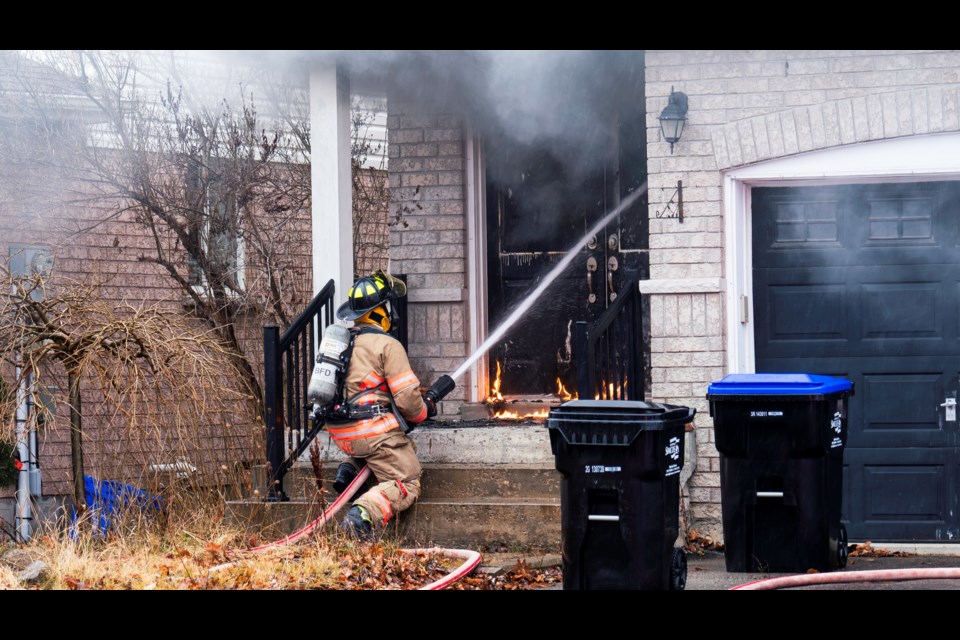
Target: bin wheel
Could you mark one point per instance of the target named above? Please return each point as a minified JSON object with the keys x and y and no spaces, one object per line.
{"x":842,"y":547}
{"x":678,"y":570}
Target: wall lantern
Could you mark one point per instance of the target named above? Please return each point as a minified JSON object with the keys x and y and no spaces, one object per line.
{"x":673,"y":117}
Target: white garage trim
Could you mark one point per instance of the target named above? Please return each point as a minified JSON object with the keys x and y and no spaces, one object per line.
{"x":908,"y":159}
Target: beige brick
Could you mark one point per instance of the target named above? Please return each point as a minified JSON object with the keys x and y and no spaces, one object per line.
{"x":433,"y":222}
{"x":443,"y":324}
{"x":400,"y":165}
{"x":748,"y":145}
{"x":939,"y":60}
{"x":891,"y":128}
{"x":904,"y":113}
{"x":861,"y":127}
{"x":689,"y":255}
{"x":935,"y":108}
{"x":443,"y":193}
{"x":441,"y":135}
{"x":775,"y":135}
{"x":831,"y":124}
{"x":809,"y":67}
{"x":416,"y":150}
{"x":453,"y":208}
{"x":950,"y":110}
{"x":894,"y":62}
{"x":668,"y":389}
{"x":416,"y":121}
{"x":664,"y":360}
{"x":921,"y":115}
{"x":447,"y":178}
{"x":843,"y":65}
{"x":698,"y":315}
{"x":801,"y":118}
{"x":761,"y":140}
{"x":875,"y":116}
{"x":734,"y":152}
{"x":418,"y":179}
{"x":845,"y":121}
{"x":450,"y":149}
{"x":671,"y":318}
{"x":662,"y":344}
{"x":790,"y":143}
{"x":404,"y":136}
{"x":442,"y":164}
{"x":688,"y":374}
{"x":423,"y":349}
{"x":706,"y":479}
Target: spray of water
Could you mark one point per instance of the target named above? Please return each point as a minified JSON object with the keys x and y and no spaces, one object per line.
{"x":528,"y":301}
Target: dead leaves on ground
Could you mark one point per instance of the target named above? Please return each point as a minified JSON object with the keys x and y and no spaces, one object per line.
{"x":698,"y":543}
{"x":867,"y":550}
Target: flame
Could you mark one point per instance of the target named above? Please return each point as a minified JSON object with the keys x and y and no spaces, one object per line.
{"x":562,"y":392}
{"x":608,"y":391}
{"x":495,"y":395}
{"x":513,"y":415}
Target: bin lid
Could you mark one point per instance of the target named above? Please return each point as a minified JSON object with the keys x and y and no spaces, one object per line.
{"x":613,"y":422}
{"x":778,"y":384}
{"x":642,"y":415}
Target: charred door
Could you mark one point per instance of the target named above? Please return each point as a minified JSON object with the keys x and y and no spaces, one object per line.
{"x":541,"y":199}
{"x":863,"y":281}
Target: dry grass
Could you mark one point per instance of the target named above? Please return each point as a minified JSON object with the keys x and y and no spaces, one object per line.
{"x":8,"y":579}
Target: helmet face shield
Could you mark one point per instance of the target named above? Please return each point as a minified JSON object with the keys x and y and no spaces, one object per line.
{"x":397,"y":286}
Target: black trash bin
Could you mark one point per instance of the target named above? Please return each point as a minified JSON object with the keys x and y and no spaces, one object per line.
{"x":781,"y":438}
{"x":620,"y":465}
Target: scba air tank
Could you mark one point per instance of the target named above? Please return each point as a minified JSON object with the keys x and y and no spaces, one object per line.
{"x":330,"y":368}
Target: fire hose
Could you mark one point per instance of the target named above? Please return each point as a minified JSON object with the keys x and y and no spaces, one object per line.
{"x":471,"y":559}
{"x":882,"y":575}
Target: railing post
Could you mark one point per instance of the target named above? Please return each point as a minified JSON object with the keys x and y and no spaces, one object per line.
{"x":273,"y":381}
{"x":580,"y":341}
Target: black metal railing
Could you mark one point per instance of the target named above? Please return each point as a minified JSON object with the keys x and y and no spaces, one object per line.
{"x":287,"y":365}
{"x":609,"y":355}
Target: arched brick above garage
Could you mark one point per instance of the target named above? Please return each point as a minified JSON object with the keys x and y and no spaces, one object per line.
{"x":877,"y":116}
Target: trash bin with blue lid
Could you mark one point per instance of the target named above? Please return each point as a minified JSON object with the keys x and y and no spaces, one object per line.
{"x":620,"y":463}
{"x":781,"y":438}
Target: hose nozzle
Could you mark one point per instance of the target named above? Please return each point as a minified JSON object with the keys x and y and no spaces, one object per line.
{"x":440,"y":388}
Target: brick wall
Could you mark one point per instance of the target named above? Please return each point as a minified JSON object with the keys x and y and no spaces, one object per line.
{"x":744,"y":107}
{"x":428,"y":243}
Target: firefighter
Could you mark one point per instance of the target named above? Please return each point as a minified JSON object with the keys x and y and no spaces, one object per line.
{"x":379,"y":376}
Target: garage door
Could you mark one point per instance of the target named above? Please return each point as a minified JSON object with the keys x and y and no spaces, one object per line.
{"x":863,"y":281}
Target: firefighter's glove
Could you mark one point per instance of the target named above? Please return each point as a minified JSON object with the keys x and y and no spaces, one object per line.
{"x":427,"y":400}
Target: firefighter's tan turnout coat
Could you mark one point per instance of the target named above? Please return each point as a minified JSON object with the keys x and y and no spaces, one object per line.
{"x":380,"y":362}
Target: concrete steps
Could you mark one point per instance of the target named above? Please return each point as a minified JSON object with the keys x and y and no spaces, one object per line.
{"x":482,"y":488}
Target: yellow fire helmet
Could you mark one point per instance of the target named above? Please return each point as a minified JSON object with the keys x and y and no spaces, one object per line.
{"x":371,"y":292}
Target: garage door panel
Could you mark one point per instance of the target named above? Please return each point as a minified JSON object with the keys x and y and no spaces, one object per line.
{"x":900,"y":310}
{"x":886,"y":408}
{"x":806,"y":312}
{"x":907,"y":494}
{"x":877,"y":303}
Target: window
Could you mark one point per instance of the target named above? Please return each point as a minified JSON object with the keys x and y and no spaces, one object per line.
{"x":215,"y":226}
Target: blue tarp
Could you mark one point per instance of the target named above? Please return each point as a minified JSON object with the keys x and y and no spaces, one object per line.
{"x":109,"y":500}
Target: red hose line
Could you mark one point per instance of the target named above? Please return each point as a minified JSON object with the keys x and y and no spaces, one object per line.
{"x":471,"y":558}
{"x":331,"y":511}
{"x":882,"y":575}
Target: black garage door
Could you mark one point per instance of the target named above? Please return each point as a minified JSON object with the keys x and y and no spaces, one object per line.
{"x":863,"y":281}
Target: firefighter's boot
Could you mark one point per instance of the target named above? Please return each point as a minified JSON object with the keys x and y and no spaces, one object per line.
{"x":346,"y":472}
{"x":357,"y":524}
